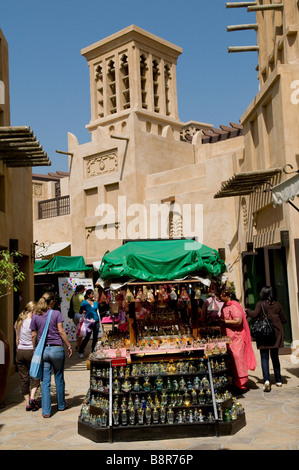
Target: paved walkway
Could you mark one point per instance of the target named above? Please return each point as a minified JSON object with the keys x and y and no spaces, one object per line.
{"x":272,"y":418}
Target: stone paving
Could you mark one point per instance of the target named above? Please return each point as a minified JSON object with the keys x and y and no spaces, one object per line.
{"x":272,"y":419}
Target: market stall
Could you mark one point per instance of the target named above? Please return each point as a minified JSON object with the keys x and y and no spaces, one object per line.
{"x":159,"y":372}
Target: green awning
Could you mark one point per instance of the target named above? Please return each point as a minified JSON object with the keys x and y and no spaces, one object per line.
{"x":152,"y":261}
{"x":60,"y":264}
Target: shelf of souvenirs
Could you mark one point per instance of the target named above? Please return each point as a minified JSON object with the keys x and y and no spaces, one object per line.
{"x":150,"y":346}
{"x":95,"y":412}
{"x":191,"y":367}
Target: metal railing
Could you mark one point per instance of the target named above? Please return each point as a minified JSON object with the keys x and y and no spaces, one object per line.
{"x":54,"y":207}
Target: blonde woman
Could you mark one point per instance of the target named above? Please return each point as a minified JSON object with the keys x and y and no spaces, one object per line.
{"x":54,"y":354}
{"x":24,"y":355}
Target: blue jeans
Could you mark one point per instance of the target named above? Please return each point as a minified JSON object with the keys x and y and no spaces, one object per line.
{"x":53,"y":357}
{"x":275,"y":362}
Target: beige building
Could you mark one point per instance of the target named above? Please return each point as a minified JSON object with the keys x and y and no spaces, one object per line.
{"x":268,"y":235}
{"x":142,"y":158}
{"x":19,"y":152}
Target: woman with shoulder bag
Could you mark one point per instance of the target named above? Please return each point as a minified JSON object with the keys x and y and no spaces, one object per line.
{"x":272,"y":309}
{"x":53,"y":354}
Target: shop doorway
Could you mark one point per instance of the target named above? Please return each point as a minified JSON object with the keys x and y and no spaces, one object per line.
{"x":267,"y":267}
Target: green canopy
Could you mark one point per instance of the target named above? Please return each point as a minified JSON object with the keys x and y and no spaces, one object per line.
{"x":60,"y":263}
{"x":161,"y":260}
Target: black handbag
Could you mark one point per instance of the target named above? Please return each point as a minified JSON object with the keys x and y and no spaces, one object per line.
{"x":263,"y":330}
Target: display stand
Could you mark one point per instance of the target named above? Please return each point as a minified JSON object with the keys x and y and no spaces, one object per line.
{"x":167,"y":383}
{"x":109,"y":429}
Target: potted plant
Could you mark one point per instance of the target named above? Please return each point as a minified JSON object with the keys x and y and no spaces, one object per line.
{"x":10,"y":276}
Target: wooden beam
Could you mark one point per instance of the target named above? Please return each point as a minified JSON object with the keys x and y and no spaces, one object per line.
{"x":243,"y":48}
{"x":241,"y":27}
{"x":272,"y":6}
{"x":239,"y":4}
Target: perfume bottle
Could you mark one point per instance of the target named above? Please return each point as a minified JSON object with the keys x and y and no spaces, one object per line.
{"x":155,"y":416}
{"x":186,"y":399}
{"x":136,"y":386}
{"x":201,"y":397}
{"x":115,"y":414}
{"x":180,"y":417}
{"x":182,"y":384}
{"x":147,"y":385}
{"x":193,"y":397}
{"x":137,"y":402}
{"x":179,"y":399}
{"x":126,"y":386}
{"x":116,"y":386}
{"x":162,"y":414}
{"x":175,"y":385}
{"x":196,"y":383}
{"x":189,"y":385}
{"x":168,"y":386}
{"x":104,"y":419}
{"x":140,"y":415}
{"x":200,"y":416}
{"x":164,"y":398}
{"x":124,"y":418}
{"x":159,"y":383}
{"x":190,"y":416}
{"x":208,"y":396}
{"x":148,"y":415}
{"x":170,"y":415}
{"x":220,"y":412}
{"x":132,"y":416}
{"x":124,"y":404}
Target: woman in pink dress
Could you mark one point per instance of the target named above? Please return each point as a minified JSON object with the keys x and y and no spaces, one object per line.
{"x":234,"y":325}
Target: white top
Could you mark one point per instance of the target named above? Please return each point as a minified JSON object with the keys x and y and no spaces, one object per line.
{"x":25,"y":338}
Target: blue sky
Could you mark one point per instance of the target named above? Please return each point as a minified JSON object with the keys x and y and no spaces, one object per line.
{"x":49,"y":79}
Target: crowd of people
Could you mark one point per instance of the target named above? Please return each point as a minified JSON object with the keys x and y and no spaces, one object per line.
{"x":220,"y":309}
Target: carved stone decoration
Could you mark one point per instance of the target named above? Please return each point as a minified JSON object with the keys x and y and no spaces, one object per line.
{"x":37,"y":191}
{"x":101,"y":165}
{"x":245,"y":214}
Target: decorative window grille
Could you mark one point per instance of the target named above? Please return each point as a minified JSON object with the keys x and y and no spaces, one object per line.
{"x":143,"y":76}
{"x":54,"y":207}
{"x":112,"y":87}
{"x":100,"y":97}
{"x":156,"y":74}
{"x":167,"y":78}
{"x":125,"y":81}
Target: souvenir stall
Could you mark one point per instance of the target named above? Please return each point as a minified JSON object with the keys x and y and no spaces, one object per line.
{"x":159,"y":373}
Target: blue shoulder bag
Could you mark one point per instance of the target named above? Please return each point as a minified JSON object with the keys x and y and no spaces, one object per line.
{"x":36,"y":366}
